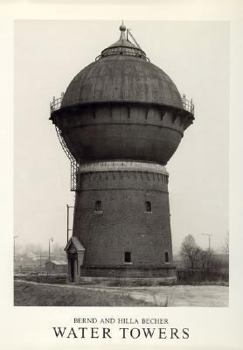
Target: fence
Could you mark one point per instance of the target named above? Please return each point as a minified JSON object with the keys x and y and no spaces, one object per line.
{"x":56,"y":103}
{"x":188,"y":105}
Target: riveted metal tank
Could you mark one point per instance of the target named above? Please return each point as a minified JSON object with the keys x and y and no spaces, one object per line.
{"x":122,"y":107}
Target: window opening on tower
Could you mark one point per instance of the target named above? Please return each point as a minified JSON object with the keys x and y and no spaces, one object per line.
{"x":148,"y":206}
{"x":127,"y":257}
{"x":98,"y":206}
{"x":166,"y":257}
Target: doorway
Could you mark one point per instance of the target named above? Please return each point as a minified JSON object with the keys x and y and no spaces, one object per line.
{"x":72,"y":269}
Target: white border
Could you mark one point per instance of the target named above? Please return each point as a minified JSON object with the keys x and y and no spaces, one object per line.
{"x":211,"y":328}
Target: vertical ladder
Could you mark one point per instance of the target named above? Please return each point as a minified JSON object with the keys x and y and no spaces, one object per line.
{"x":74,"y":164}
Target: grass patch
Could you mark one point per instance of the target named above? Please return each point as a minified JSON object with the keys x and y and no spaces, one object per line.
{"x":30,"y":294}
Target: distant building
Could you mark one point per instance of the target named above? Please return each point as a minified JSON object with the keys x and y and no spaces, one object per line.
{"x":54,"y":266}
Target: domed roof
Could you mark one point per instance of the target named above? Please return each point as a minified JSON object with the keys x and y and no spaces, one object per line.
{"x":122,"y":73}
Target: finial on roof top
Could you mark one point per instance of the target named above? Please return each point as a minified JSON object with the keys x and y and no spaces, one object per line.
{"x":122,"y":27}
{"x":124,"y":46}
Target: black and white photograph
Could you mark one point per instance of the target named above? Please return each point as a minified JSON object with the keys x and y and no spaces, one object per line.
{"x":121,"y":163}
{"x":121,"y":187}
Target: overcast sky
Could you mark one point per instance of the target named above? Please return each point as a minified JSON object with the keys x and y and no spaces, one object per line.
{"x":194,"y":54}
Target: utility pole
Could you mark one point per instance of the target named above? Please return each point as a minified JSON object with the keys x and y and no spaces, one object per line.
{"x":68,"y":229}
{"x":67,"y":223}
{"x":50,"y":240}
{"x":14,"y":246}
{"x":209,"y":239}
{"x":40,"y":260}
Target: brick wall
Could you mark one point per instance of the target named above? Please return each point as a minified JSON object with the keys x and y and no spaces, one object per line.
{"x":122,"y":224}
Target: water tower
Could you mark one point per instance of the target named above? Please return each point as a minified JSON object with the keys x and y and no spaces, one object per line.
{"x":120,"y":121}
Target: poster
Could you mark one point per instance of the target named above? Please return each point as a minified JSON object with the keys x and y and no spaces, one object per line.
{"x":206,"y":327}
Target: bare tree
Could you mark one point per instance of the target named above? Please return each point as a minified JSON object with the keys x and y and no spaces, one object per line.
{"x":207,"y":259}
{"x":201,"y":264}
{"x":190,"y":252}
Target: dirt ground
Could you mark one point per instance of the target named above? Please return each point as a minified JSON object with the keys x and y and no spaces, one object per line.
{"x":183,"y":295}
{"x":27,"y":293}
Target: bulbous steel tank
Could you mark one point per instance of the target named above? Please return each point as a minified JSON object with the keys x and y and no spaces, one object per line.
{"x":122,"y":107}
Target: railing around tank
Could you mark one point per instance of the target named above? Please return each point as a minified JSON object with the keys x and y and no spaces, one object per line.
{"x":188,"y":105}
{"x":56,"y":103}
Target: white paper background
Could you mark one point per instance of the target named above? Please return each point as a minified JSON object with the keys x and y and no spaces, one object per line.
{"x":210,"y":328}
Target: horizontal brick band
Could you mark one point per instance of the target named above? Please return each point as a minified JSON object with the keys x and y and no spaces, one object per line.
{"x":123,"y":166}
